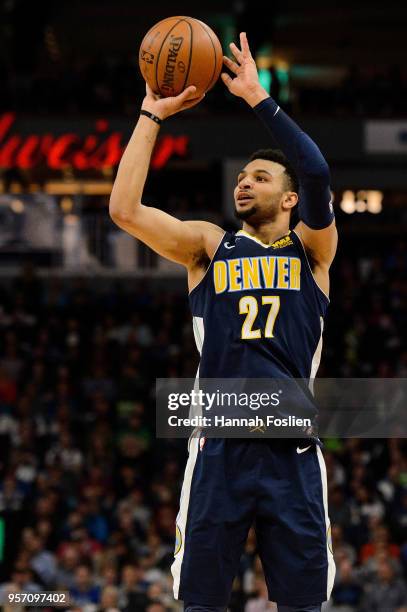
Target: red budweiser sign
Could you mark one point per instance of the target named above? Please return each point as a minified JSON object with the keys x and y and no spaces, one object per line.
{"x":100,"y":149}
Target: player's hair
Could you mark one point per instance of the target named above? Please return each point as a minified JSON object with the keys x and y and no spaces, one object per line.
{"x":275,"y":155}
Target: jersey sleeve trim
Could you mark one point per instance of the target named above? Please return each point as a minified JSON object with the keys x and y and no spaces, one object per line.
{"x":210,"y":264}
{"x":309,"y":266}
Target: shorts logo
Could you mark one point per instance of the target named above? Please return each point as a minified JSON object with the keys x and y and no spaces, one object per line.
{"x":202,"y":442}
{"x":329,"y":539}
{"x":302,"y":450}
{"x":178,"y":540}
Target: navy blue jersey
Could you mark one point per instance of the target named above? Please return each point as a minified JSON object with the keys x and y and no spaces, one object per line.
{"x":258,"y":312}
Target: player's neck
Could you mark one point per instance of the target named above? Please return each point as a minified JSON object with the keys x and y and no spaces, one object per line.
{"x":267,"y":232}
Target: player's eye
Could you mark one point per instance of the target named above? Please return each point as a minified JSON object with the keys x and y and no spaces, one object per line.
{"x":260,"y":178}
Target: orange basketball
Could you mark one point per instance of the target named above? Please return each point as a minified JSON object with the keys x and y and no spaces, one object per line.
{"x":180,"y":51}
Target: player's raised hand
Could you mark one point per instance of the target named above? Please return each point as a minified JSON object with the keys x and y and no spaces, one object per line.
{"x":245,"y":83}
{"x":165,"y":107}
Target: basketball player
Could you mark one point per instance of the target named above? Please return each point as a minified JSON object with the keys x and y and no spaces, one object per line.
{"x":258,"y":298}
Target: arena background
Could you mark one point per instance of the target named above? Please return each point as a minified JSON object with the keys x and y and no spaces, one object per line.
{"x":89,"y":317}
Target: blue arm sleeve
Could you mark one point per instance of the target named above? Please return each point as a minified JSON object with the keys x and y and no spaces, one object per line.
{"x":314,"y":205}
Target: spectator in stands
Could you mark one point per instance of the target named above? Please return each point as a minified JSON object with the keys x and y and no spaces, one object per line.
{"x":342,"y":549}
{"x":84,"y":590}
{"x":347,"y":589}
{"x":42,"y":561}
{"x":22,"y":581}
{"x":339,"y":511}
{"x":68,"y":561}
{"x":109,"y":599}
{"x":133,"y":588}
{"x":388,"y":593}
{"x":259,"y":602}
{"x":380,"y":541}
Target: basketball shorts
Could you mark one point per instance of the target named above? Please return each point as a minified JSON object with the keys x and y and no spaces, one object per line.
{"x":280,"y":487}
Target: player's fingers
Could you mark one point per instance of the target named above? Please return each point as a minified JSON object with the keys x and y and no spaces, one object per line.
{"x":245,"y":45}
{"x":188,"y":93}
{"x":226,"y":79}
{"x":193,"y":102}
{"x":236,"y":52}
{"x":230,"y":64}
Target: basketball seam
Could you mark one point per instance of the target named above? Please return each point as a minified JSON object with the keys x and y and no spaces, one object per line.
{"x":159,"y":53}
{"x":191,"y":48}
{"x":214,"y":50}
{"x":144,"y":38}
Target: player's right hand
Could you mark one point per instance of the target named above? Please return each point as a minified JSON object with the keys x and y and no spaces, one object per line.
{"x":165,"y":107}
{"x":245,"y":82}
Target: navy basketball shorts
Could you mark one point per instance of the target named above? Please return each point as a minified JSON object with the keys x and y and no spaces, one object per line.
{"x":275,"y":485}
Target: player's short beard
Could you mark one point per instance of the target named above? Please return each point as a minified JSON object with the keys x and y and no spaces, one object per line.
{"x":248,"y":213}
{"x":245,"y":214}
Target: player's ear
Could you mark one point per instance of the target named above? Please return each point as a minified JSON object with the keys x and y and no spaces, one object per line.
{"x":290,"y":199}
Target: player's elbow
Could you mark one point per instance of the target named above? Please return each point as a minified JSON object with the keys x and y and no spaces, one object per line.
{"x":114,"y":211}
{"x":119,"y":212}
{"x":116,"y":214}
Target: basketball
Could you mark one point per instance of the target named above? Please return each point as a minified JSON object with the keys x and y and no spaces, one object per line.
{"x":180,"y":51}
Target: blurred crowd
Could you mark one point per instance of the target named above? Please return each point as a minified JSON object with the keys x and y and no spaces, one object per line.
{"x":371,"y":92}
{"x":77,"y":58}
{"x":75,"y":85}
{"x":112,"y":84}
{"x":89,"y":497}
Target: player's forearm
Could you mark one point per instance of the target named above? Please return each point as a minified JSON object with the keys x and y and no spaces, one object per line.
{"x":133,"y":169}
{"x":307,"y":160}
{"x":300,"y":150}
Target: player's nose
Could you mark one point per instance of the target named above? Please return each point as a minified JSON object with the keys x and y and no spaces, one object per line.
{"x":245,"y":183}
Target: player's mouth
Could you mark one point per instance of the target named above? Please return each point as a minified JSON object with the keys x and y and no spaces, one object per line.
{"x":244,"y":198}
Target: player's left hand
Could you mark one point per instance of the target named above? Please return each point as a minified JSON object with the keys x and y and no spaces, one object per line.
{"x":245,"y":83}
{"x":165,"y":107}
